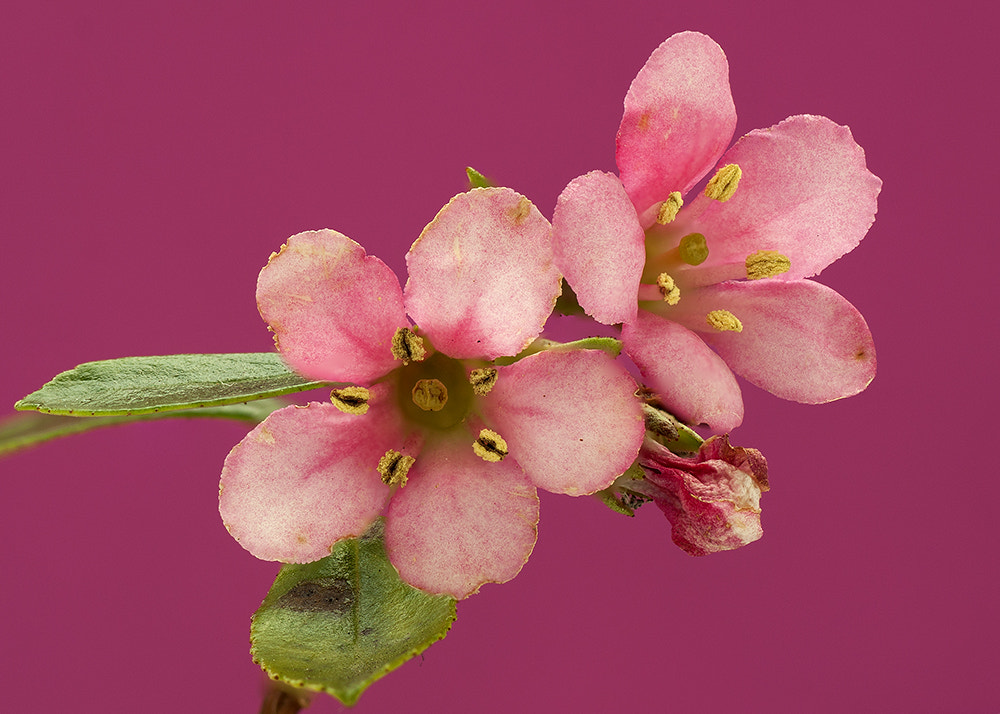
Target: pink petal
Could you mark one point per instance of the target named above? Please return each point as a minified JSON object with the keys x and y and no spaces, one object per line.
{"x":805,"y":192}
{"x":679,"y":118}
{"x":800,"y":340}
{"x":693,"y":382}
{"x":482,"y":277}
{"x":306,"y":478}
{"x":333,"y":309}
{"x":460,"y":522}
{"x":712,"y":504}
{"x":600,"y":246}
{"x":571,"y":419}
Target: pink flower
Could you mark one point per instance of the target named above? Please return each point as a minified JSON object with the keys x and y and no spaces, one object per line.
{"x":712,"y":500}
{"x":721,"y":281}
{"x":450,"y":447}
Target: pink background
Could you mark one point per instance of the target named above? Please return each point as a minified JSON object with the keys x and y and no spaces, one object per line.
{"x":153,"y":158}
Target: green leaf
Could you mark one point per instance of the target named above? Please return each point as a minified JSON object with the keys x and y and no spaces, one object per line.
{"x":341,"y":623}
{"x":139,"y":385}
{"x":20,"y":431}
{"x":476,"y":179}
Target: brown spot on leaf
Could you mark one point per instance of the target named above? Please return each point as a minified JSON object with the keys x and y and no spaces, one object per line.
{"x":322,"y":595}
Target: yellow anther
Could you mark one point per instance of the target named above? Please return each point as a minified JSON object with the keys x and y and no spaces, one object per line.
{"x":767,"y":264}
{"x":723,"y":185}
{"x":724,"y":321}
{"x":430,"y":394}
{"x":482,"y":380}
{"x":668,"y":289}
{"x":394,"y":466}
{"x":490,"y":446}
{"x":669,"y":208}
{"x":407,"y":346}
{"x":693,"y":249}
{"x":351,"y":400}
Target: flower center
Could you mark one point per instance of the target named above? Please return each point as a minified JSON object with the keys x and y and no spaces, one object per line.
{"x":435,"y":392}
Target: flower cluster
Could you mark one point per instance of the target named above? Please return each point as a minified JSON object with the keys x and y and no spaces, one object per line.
{"x":718,"y":283}
{"x":449,"y":411}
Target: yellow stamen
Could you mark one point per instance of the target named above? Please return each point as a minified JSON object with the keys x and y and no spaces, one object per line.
{"x":767,"y":264}
{"x":724,"y":321}
{"x":693,"y":249}
{"x":668,"y":289}
{"x":394,"y":466}
{"x":430,"y":394}
{"x":482,"y":380}
{"x":722,"y":186}
{"x":669,"y":208}
{"x":351,"y":400}
{"x":490,"y":446}
{"x":407,"y":346}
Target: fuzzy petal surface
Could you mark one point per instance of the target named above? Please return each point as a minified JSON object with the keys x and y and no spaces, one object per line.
{"x":332,"y":308}
{"x":600,"y":246}
{"x":460,"y":521}
{"x":801,"y":340}
{"x":712,"y":503}
{"x":305,"y":478}
{"x":805,"y":192}
{"x":570,"y":419}
{"x":679,"y":118}
{"x":693,"y":382}
{"x":482,"y":275}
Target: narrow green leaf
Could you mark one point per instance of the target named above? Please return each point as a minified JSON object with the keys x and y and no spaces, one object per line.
{"x":476,"y":179}
{"x":20,"y":431}
{"x":341,"y":623}
{"x":138,"y":385}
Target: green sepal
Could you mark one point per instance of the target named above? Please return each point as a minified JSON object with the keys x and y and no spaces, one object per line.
{"x":608,"y":498}
{"x":21,"y":431}
{"x":687,"y":442}
{"x":341,"y":623}
{"x":618,"y":498}
{"x":476,"y":179}
{"x":139,"y":385}
{"x":610,"y":345}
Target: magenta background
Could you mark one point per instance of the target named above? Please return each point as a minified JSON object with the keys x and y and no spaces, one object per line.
{"x":153,"y":158}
